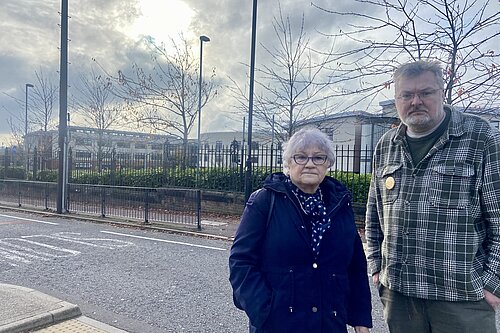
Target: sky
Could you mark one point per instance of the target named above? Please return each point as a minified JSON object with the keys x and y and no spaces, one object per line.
{"x":113,"y":32}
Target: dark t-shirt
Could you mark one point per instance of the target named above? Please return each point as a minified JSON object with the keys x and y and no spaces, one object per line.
{"x":419,"y":147}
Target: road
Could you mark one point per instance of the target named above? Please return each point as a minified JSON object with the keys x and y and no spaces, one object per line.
{"x":140,"y":281}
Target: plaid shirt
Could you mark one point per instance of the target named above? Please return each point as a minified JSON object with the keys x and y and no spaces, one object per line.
{"x":433,"y":229}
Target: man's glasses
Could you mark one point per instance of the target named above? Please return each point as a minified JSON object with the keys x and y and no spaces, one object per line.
{"x":303,"y":159}
{"x":422,"y":95}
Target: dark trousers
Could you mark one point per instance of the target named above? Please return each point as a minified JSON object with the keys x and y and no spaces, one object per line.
{"x":405,"y":314}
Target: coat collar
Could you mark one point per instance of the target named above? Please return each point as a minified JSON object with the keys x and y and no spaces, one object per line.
{"x":333,"y":190}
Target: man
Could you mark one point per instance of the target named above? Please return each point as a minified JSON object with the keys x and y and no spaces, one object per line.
{"x":433,"y":212}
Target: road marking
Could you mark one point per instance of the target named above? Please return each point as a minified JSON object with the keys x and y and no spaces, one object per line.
{"x":21,"y":253}
{"x":11,"y":243}
{"x":72,"y":237}
{"x":26,"y":219}
{"x":52,"y":247}
{"x":28,"y":249}
{"x":11,"y":264}
{"x":13,"y":257}
{"x":165,"y":241}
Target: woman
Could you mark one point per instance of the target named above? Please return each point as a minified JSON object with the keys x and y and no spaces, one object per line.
{"x":297,"y":262}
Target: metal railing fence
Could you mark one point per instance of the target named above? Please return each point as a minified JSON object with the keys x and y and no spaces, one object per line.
{"x":145,"y":205}
{"x":220,"y":168}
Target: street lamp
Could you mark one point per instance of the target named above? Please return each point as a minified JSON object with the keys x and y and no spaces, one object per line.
{"x":198,"y":167}
{"x":26,"y":148}
{"x":202,"y":39}
{"x":28,"y":85}
{"x":248,"y":173}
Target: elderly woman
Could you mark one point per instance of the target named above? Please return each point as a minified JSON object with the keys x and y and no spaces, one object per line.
{"x":297,"y":262}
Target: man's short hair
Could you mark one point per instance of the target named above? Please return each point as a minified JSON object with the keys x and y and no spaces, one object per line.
{"x":417,"y":68}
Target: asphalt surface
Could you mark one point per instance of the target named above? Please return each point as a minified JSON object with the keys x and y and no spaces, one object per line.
{"x":132,"y":279}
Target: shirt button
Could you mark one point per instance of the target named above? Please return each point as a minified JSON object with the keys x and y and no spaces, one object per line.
{"x":314,"y":309}
{"x":315,"y":265}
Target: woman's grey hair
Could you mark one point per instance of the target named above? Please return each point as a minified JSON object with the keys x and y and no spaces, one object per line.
{"x":307,"y":138}
{"x":417,"y":68}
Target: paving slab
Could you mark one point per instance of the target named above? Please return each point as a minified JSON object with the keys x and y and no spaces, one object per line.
{"x":23,"y":309}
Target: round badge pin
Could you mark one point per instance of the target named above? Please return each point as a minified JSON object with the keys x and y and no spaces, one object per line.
{"x":389,"y":183}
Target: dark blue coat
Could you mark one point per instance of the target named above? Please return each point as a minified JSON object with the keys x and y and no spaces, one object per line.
{"x":274,"y":275}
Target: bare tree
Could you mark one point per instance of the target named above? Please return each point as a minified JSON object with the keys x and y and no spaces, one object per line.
{"x":291,"y":87}
{"x":99,"y":108}
{"x":166,"y":96}
{"x":16,"y":132}
{"x":44,"y":98}
{"x":462,"y":34}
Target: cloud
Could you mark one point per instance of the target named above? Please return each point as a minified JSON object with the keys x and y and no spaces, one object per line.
{"x":101,"y":30}
{"x":98,"y":30}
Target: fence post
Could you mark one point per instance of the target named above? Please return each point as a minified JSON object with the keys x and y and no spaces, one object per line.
{"x":103,"y":201}
{"x":19,"y":194}
{"x":112,"y":173}
{"x":70,"y":164}
{"x":46,"y":196}
{"x":146,"y":206}
{"x":198,"y":208}
{"x":35,"y":163}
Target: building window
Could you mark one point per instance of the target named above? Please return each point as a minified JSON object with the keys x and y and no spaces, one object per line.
{"x":83,"y":142}
{"x":218,"y":145}
{"x":139,"y":145}
{"x":122,"y":144}
{"x":83,"y":154}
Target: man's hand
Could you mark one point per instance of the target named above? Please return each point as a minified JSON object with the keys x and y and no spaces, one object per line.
{"x":375,"y":279}
{"x":492,"y":300}
{"x":361,"y":329}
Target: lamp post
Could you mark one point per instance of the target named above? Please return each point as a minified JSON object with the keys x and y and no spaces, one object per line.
{"x":248,"y":173}
{"x":62,"y":179}
{"x":26,"y":148}
{"x":198,"y":168}
{"x":28,"y":85}
{"x":202,"y":39}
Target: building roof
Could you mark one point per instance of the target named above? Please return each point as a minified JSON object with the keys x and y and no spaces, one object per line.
{"x":347,"y":114}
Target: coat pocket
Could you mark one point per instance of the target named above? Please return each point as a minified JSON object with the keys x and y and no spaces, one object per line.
{"x":389,"y":182}
{"x":338,"y":293}
{"x":282,"y":283}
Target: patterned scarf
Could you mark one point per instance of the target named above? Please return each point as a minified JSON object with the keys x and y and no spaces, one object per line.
{"x":314,"y":208}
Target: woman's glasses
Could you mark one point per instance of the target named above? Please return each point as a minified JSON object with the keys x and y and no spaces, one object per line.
{"x":303,"y":159}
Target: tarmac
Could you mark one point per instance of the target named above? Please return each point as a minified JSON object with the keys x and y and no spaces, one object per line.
{"x":28,"y":311}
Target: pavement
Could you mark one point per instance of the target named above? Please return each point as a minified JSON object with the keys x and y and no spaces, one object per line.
{"x":28,"y":311}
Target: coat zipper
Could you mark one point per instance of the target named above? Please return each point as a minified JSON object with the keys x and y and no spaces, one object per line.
{"x":290,"y":307}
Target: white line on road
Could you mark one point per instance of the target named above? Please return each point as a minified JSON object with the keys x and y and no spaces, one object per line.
{"x":26,"y":219}
{"x":52,"y":247}
{"x":165,"y":241}
{"x":13,"y":257}
{"x":72,"y":237}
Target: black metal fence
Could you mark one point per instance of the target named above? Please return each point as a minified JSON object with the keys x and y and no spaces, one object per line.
{"x":213,"y":167}
{"x":145,"y":205}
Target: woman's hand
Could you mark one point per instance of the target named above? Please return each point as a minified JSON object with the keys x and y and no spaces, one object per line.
{"x":361,"y":329}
